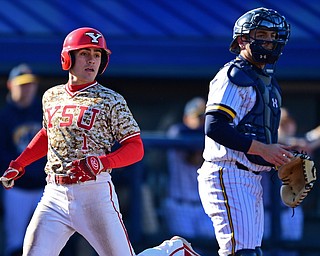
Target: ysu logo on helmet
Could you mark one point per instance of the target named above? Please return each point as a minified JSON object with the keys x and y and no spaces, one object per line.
{"x":94,"y":37}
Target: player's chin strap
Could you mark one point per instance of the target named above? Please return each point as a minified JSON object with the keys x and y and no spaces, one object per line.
{"x":270,"y":69}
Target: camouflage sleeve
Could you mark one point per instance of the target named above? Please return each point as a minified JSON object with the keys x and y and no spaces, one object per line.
{"x":122,"y":120}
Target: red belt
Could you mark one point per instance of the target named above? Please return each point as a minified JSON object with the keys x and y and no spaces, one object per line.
{"x":65,"y":179}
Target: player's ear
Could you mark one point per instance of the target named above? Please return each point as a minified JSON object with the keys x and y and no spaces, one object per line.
{"x":241,"y":41}
{"x":72,"y":58}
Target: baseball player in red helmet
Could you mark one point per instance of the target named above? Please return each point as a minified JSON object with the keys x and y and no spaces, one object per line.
{"x":241,"y":127}
{"x":82,"y":120}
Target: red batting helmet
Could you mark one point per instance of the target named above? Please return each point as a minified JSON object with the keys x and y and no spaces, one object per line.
{"x":84,"y":38}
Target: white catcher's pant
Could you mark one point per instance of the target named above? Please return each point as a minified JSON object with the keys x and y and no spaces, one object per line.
{"x":92,"y":210}
{"x":232,"y":198}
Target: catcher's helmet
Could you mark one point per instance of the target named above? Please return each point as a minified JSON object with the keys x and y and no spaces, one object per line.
{"x":261,"y":18}
{"x":84,"y":38}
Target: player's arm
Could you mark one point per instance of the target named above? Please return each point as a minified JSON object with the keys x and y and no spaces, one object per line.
{"x":277,"y":154}
{"x":36,"y":149}
{"x":218,"y":128}
{"x":130,"y":151}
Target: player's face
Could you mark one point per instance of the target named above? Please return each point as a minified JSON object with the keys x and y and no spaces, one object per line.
{"x":244,"y":44}
{"x":86,"y":66}
{"x":23,"y":95}
{"x":266,"y":36}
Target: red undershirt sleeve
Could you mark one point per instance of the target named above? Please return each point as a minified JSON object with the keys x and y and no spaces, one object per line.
{"x":36,"y":149}
{"x":130,"y":152}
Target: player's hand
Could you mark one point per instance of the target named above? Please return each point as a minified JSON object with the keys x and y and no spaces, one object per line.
{"x":13,"y":173}
{"x":276,"y":154}
{"x":87,"y":167}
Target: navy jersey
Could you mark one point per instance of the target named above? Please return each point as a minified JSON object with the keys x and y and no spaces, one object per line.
{"x":18,"y":127}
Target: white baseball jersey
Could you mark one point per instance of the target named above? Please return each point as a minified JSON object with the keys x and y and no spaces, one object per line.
{"x":231,"y":197}
{"x":237,"y":101}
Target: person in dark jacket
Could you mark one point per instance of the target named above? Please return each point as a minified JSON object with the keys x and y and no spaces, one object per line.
{"x":21,"y":119}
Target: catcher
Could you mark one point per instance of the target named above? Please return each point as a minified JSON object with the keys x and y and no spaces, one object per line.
{"x":241,"y":128}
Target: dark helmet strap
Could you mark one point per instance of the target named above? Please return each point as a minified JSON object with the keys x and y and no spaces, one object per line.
{"x":262,"y":55}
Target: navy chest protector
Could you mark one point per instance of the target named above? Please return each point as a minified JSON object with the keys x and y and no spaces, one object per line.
{"x":262,"y":121}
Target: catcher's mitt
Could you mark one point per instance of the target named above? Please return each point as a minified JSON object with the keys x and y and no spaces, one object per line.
{"x":298,"y":177}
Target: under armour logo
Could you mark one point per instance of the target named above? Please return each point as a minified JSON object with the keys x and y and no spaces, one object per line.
{"x":274,"y":103}
{"x":94,"y":37}
{"x":263,"y":56}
